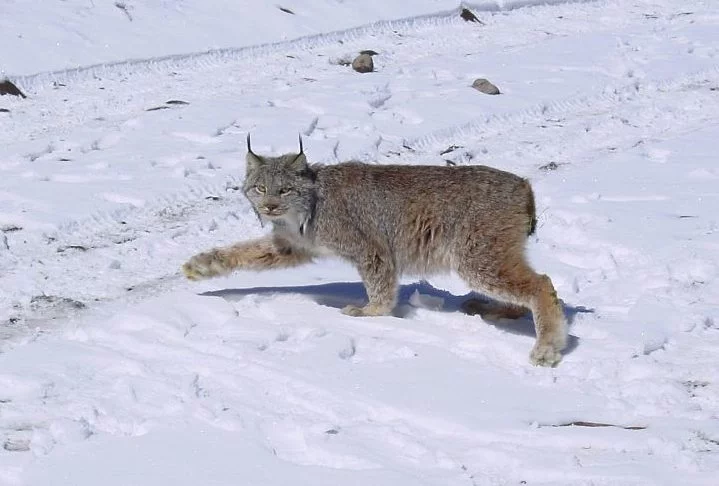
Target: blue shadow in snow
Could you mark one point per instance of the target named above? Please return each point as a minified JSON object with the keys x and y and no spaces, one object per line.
{"x":340,"y":294}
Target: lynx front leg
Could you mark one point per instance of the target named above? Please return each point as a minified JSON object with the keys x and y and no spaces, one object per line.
{"x":261,"y":254}
{"x":380,"y":280}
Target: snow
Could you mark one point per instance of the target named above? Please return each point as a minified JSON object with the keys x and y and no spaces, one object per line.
{"x":76,"y":33}
{"x":115,"y":370}
{"x":210,"y":457}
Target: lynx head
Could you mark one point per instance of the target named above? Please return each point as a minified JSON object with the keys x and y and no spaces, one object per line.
{"x":280,"y":189}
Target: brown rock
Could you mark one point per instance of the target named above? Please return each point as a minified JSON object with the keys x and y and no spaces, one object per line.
{"x":481,"y":84}
{"x":363,"y":63}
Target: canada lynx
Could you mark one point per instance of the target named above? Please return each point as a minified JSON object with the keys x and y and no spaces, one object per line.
{"x":391,"y":219}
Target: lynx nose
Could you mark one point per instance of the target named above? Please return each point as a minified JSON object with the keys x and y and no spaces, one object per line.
{"x":270,"y":208}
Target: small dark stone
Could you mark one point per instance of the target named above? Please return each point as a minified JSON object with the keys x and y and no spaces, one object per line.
{"x":4,"y":110}
{"x":72,"y":247}
{"x":8,"y":88}
{"x":122,"y":6}
{"x":363,"y":64}
{"x":468,"y":16}
{"x":156,"y":108}
{"x":549,"y":166}
{"x":176,"y":102}
{"x":449,"y":149}
{"x":484,"y":86}
{"x":286,"y":10}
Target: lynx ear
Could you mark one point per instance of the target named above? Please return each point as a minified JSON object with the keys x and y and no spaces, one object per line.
{"x":298,"y":164}
{"x":254,"y":162}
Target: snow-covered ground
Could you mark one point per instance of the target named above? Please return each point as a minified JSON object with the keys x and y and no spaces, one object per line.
{"x":116,"y":371}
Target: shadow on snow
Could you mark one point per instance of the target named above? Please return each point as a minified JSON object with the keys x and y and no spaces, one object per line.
{"x":340,"y":294}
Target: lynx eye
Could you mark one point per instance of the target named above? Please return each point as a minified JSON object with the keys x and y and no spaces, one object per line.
{"x":285,"y":191}
{"x":260,"y":188}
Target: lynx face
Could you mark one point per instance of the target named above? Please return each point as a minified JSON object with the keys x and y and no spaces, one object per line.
{"x":280,"y":189}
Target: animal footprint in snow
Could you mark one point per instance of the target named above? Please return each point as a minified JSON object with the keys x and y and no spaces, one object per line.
{"x":349,"y":351}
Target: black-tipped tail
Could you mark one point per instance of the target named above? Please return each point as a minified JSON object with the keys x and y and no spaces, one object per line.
{"x":531,"y":211}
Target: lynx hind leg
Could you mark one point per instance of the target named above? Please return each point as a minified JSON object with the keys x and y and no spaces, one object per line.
{"x":550,"y":324}
{"x":260,"y":254}
{"x":517,"y":283}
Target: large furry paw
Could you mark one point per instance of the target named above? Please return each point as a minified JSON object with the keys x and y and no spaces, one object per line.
{"x":545,"y":355}
{"x":368,"y":310}
{"x":204,"y":265}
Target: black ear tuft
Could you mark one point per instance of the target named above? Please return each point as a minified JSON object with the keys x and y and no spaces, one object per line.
{"x":299,"y":163}
{"x":254,"y":161}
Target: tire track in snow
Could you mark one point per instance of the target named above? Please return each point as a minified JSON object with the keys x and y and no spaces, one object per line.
{"x":122,"y":228}
{"x":203,"y":60}
{"x":295,"y":414}
{"x":105,"y":229}
{"x":193,"y":217}
{"x":481,"y":127}
{"x":399,"y":431}
{"x":604,"y":100}
{"x":280,"y":399}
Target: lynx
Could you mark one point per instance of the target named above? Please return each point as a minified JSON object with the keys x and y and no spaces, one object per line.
{"x":389,"y":220}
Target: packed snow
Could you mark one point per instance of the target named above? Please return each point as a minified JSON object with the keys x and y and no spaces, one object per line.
{"x":125,"y":160}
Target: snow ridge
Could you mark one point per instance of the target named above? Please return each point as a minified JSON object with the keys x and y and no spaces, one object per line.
{"x":202,"y":60}
{"x":604,"y":99}
{"x":607,"y":97}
